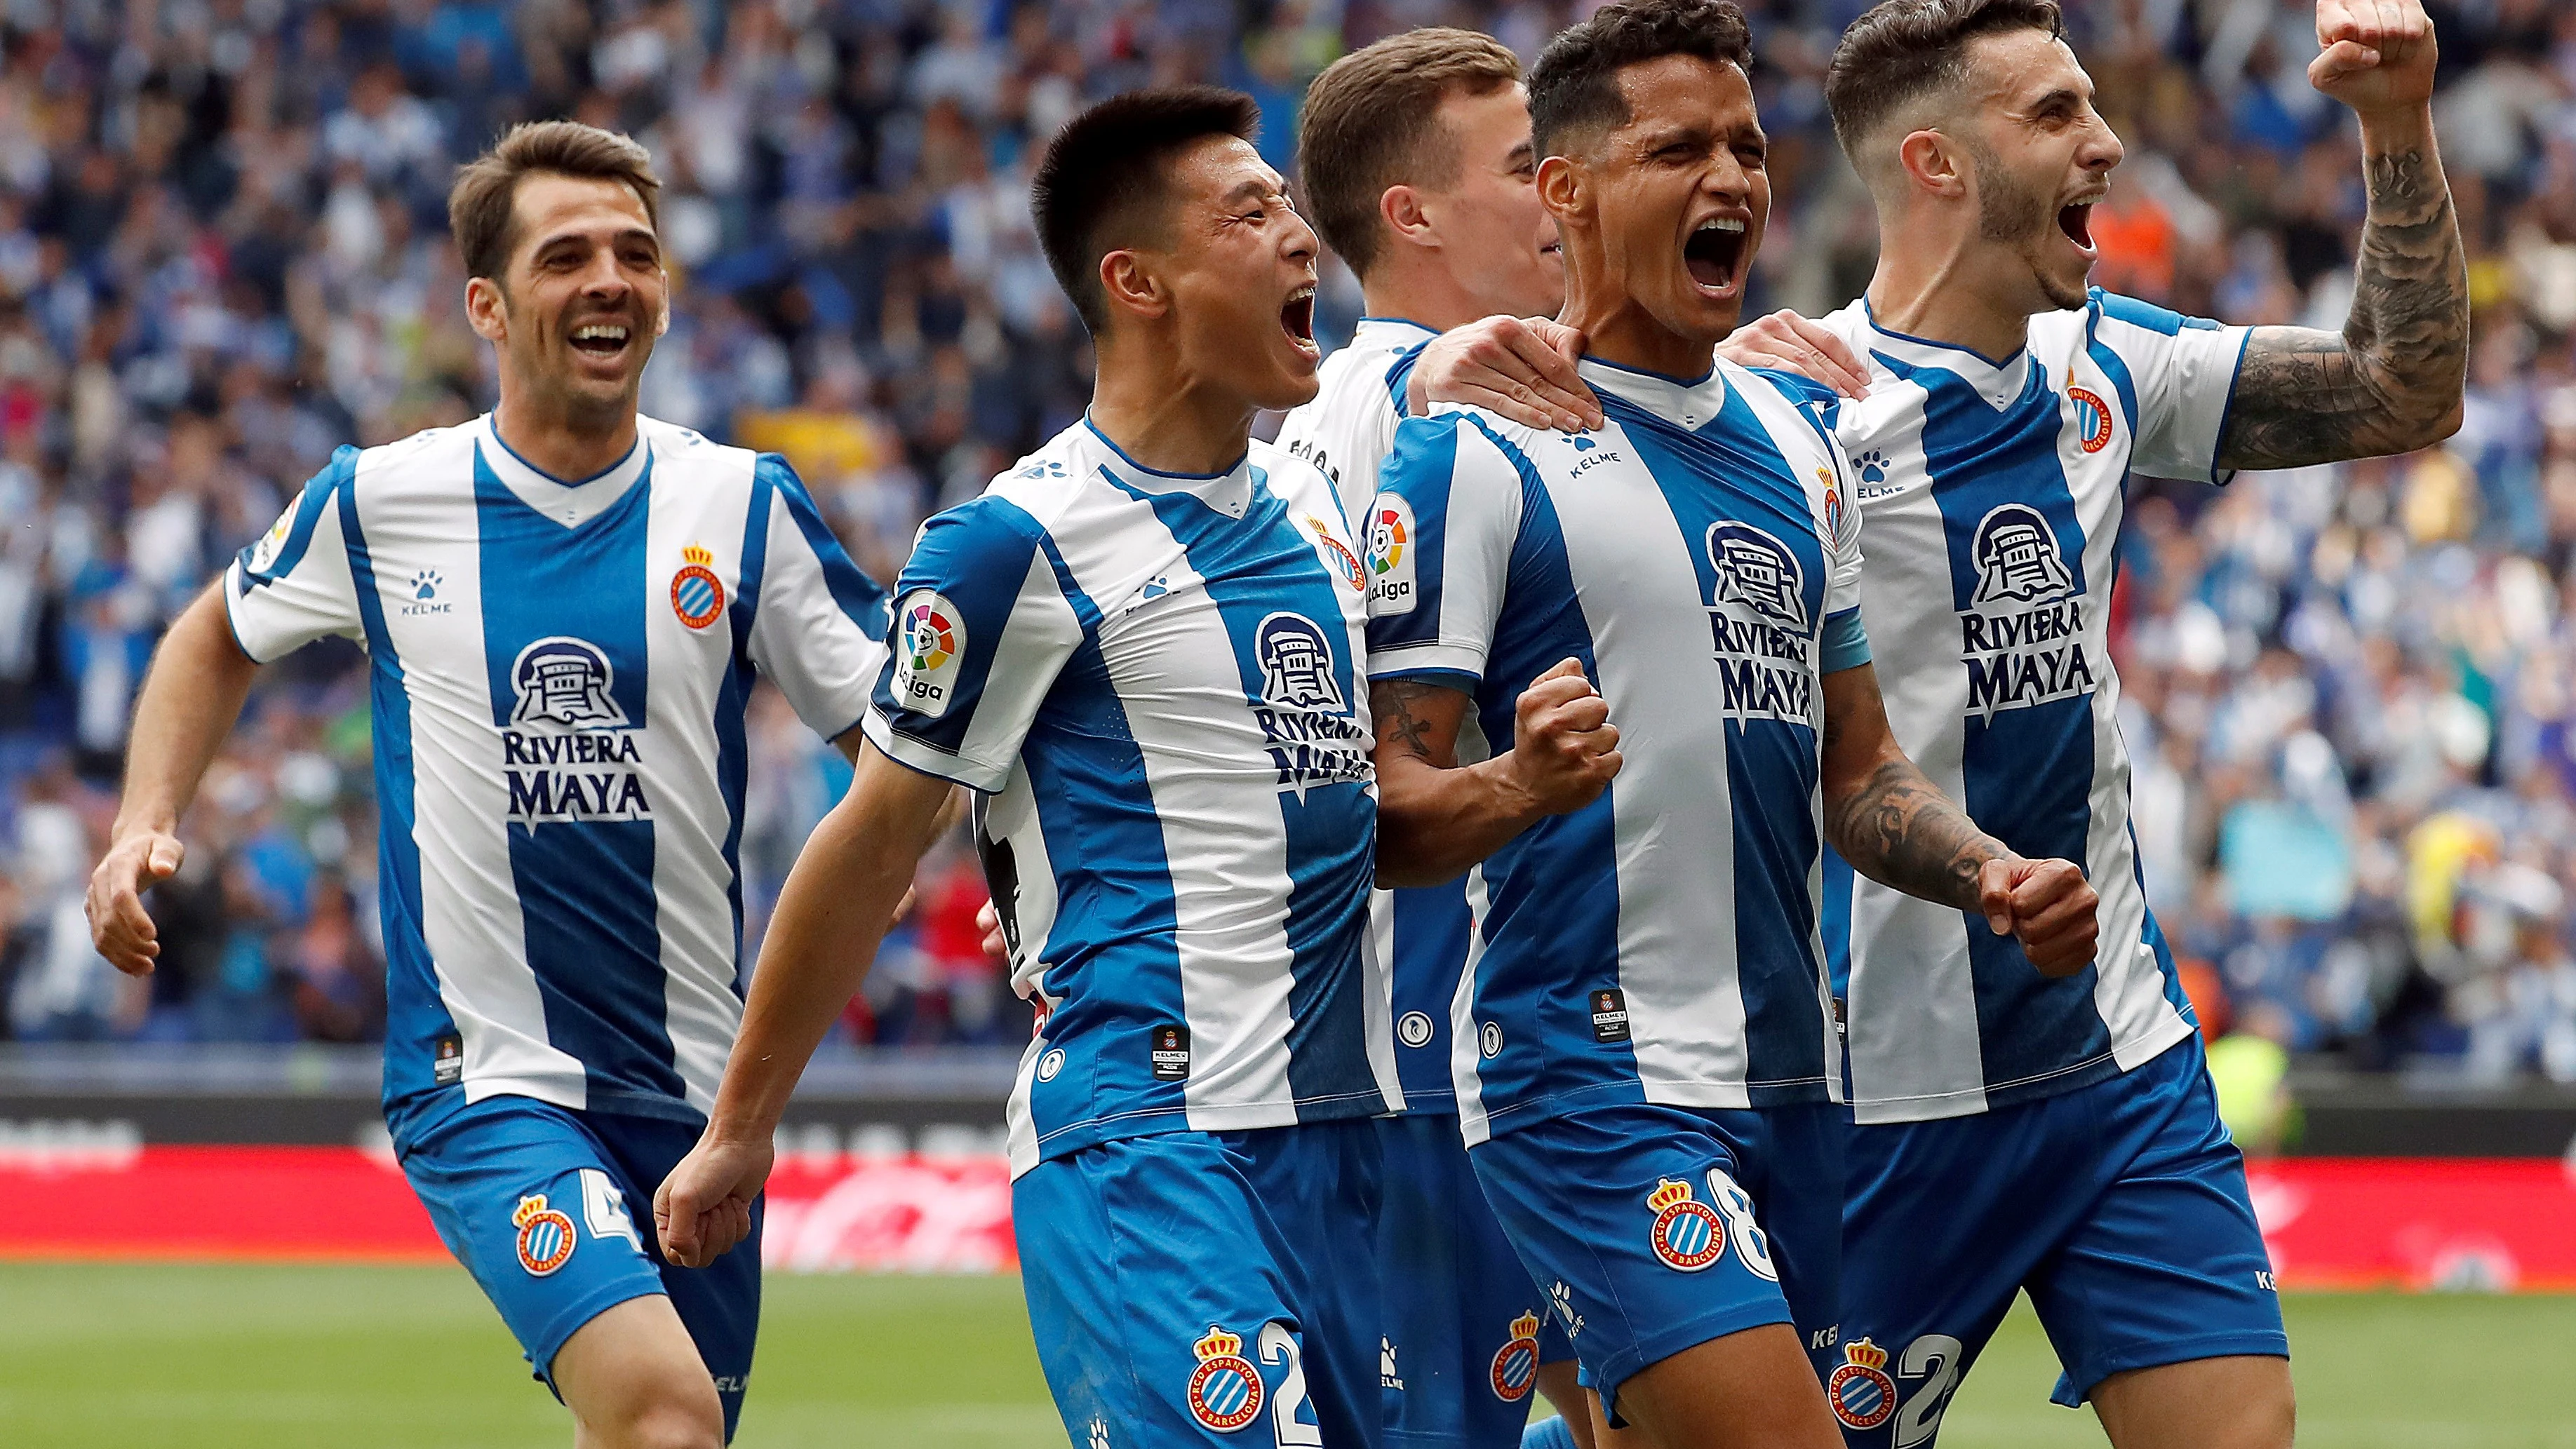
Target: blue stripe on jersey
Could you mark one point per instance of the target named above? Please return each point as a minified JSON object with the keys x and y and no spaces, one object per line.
{"x":2145,"y":314}
{"x":1253,"y":567}
{"x":2121,"y":382}
{"x":1426,"y":458}
{"x":857,"y":595}
{"x":1430,"y":930}
{"x":1086,"y":773}
{"x":2027,"y":773}
{"x":323,"y":490}
{"x":1566,"y":867}
{"x":585,"y":885}
{"x":417,"y":1019}
{"x":1771,"y":765}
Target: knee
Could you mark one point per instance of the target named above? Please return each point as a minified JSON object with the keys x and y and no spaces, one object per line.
{"x":673,"y":1416}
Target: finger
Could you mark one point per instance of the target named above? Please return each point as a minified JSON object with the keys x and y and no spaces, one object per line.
{"x":1576,"y":716}
{"x":1838,"y":366}
{"x":1567,"y":341}
{"x":2038,"y":920}
{"x":1540,"y":701}
{"x":1496,"y":392}
{"x":1607,"y":765}
{"x":1994,"y":895}
{"x":2044,"y":883}
{"x":163,"y":860}
{"x":1568,"y":667}
{"x":2341,"y":59}
{"x":1555,"y":379}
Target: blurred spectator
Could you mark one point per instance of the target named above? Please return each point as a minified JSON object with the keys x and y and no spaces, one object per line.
{"x":2350,"y":691}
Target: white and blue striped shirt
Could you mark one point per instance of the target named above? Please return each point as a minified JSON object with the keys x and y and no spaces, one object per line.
{"x":559,"y":673}
{"x":1994,"y":491}
{"x":1155,"y":681}
{"x":1698,"y":556}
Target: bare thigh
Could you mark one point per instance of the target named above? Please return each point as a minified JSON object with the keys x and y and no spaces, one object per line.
{"x":633,"y":1380}
{"x":2239,"y":1402}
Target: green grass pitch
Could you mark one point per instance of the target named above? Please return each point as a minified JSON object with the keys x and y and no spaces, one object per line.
{"x":97,"y":1356}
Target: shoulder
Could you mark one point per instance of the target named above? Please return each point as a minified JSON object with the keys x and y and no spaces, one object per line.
{"x":678,"y":447}
{"x":1797,"y":413}
{"x":1850,"y":322}
{"x":2111,"y":317}
{"x":438,"y":457}
{"x":1287,"y":472}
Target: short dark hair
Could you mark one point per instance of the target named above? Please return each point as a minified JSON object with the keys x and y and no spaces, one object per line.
{"x":483,"y":204}
{"x":1101,"y":184}
{"x":1372,"y":121}
{"x":1902,"y":49}
{"x":1575,"y":86}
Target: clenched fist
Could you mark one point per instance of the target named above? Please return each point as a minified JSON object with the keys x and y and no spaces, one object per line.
{"x":2047,"y":905}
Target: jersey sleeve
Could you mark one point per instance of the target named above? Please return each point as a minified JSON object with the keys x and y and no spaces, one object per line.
{"x":819,"y":625}
{"x":2177,"y":375}
{"x":1845,"y":643}
{"x":294,"y":584}
{"x":1440,"y":542}
{"x":982,"y":627}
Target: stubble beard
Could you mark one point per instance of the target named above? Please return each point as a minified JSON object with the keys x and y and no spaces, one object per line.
{"x":2018,"y":216}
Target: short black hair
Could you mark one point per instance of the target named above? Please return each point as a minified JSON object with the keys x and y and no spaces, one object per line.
{"x":1575,"y":86}
{"x":1901,"y":49}
{"x":1101,"y":184}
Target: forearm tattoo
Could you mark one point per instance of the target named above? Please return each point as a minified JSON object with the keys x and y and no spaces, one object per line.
{"x":1899,"y":830}
{"x":2389,"y":382}
{"x":1391,"y":704}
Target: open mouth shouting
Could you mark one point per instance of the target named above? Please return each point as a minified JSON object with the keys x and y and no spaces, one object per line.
{"x":1297,"y":319}
{"x":2076,"y":220}
{"x":1715,"y":255}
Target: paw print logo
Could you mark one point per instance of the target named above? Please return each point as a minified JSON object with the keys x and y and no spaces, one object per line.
{"x":1561,"y":1298}
{"x":1043,"y":470}
{"x":1873,"y":466}
{"x":424,"y":584}
{"x":1582,"y":442}
{"x":1099,"y":1434}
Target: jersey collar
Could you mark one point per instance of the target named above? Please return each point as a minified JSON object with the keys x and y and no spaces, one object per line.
{"x":1692,"y":402}
{"x":570,"y":504}
{"x":1229,"y":492}
{"x":1999,"y":382}
{"x":1394,"y":331}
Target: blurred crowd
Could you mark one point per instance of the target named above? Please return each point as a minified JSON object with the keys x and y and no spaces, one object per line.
{"x":223,"y":252}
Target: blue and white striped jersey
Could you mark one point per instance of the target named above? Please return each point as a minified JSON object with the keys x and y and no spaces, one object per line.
{"x":1154,"y":679}
{"x":1420,"y":934}
{"x":559,"y":672}
{"x":1697,"y":554}
{"x":1994,"y":493}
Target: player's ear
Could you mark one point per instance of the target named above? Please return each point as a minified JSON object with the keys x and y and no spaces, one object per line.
{"x":484,"y":309}
{"x":1128,"y":278}
{"x":1933,"y":163}
{"x":1401,"y":207}
{"x":662,"y":319}
{"x":1560,"y":186}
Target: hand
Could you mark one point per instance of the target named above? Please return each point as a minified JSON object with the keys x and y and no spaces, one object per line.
{"x":118,"y":925}
{"x":1791,"y":343}
{"x":988,"y":919}
{"x":2374,"y":55}
{"x":704,"y":1207}
{"x":2045,"y":904}
{"x":1564,"y":748}
{"x":1521,"y":370}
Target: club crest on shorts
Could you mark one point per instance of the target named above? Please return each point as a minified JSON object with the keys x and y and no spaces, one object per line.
{"x":1687,"y":1235}
{"x":1225,"y":1389}
{"x":1516,"y":1362}
{"x":545,"y":1236}
{"x":697,"y":595}
{"x":1862,"y":1394}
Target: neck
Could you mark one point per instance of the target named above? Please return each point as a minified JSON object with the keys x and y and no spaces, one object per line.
{"x":1147,"y":402}
{"x":1421,"y":289}
{"x":1935,"y":290}
{"x":1615,"y":327}
{"x":570,"y":443}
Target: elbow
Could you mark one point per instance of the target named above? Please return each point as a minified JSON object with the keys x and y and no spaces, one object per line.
{"x":2446,"y":423}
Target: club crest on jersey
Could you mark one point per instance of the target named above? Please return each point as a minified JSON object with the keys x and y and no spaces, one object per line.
{"x":565,"y":680}
{"x":929,"y":649}
{"x":545,"y":1236}
{"x":1296,"y":663}
{"x":1225,"y":1389}
{"x":2017,"y":557}
{"x":1686,"y":1234}
{"x":1758,"y":571}
{"x":1346,"y":564}
{"x":264,"y":552}
{"x":1862,"y":1394}
{"x":1833,"y":503}
{"x":2092,"y":419}
{"x":697,"y":595}
{"x":1515,"y":1366}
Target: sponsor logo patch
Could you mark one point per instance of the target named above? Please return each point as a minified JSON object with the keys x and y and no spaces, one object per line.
{"x":1515,"y":1366}
{"x":1390,"y":555}
{"x":697,"y":595}
{"x":447,"y":1068}
{"x":929,"y":649}
{"x":1225,"y":1389}
{"x":1862,"y":1394}
{"x":1170,"y":1052}
{"x":1610,"y":1015}
{"x":545,"y":1236}
{"x":1686,"y":1234}
{"x":566,"y":681}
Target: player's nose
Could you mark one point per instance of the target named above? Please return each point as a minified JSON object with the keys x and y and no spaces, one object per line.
{"x":2101,"y":149}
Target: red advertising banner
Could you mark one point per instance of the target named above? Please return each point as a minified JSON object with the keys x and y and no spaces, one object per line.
{"x":2426,"y":1223}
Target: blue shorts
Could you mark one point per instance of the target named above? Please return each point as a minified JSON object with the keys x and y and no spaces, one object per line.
{"x":1658,"y":1228}
{"x":551,"y":1211}
{"x":1467,"y":1327}
{"x":2120,"y":1207}
{"x":1188,"y":1286}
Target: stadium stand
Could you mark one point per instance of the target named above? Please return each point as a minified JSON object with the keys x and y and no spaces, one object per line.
{"x":2351,"y":691}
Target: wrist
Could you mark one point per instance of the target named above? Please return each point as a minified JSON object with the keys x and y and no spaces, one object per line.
{"x":2407,"y":126}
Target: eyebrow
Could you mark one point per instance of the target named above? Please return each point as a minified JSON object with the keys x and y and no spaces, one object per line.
{"x":2062,"y":95}
{"x":632,"y":233}
{"x":1248,"y":191}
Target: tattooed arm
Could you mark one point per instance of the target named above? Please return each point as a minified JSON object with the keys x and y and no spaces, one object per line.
{"x":2391,"y":381}
{"x":1436,"y":817}
{"x":1897,"y":828}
